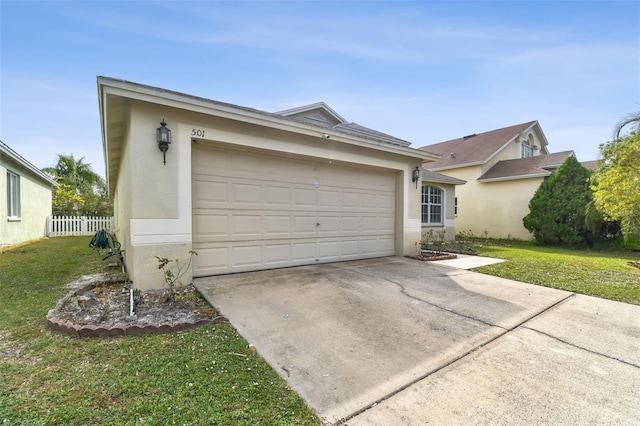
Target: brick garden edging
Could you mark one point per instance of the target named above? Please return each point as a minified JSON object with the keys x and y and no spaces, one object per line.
{"x":117,"y":330}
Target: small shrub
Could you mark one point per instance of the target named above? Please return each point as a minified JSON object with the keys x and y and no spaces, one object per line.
{"x":171,"y":278}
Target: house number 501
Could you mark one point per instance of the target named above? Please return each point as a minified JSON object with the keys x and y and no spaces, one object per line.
{"x":197,"y":132}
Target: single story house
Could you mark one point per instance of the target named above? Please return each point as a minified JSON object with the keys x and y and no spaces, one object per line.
{"x":503,"y":168}
{"x":250,"y":190}
{"x":25,"y":197}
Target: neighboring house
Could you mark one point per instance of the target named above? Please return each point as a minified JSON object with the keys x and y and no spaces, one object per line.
{"x":503,"y":169}
{"x":251,"y":190}
{"x":25,"y":199}
{"x":592,"y":165}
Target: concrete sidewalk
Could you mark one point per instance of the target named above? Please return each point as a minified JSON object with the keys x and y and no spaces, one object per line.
{"x":399,"y":341}
{"x":465,"y":261}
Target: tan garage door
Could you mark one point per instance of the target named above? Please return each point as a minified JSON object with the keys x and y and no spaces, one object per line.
{"x":254,"y":210}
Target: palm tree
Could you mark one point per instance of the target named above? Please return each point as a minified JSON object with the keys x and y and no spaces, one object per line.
{"x":627,"y":119}
{"x":75,"y":173}
{"x":81,"y":190}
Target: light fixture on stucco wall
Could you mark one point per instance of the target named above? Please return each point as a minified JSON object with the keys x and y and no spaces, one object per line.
{"x":163,"y":137}
{"x":415,"y":177}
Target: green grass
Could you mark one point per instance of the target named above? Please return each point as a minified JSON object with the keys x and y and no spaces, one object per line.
{"x":193,"y":377}
{"x":599,"y":273}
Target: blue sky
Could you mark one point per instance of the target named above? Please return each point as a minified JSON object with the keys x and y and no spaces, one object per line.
{"x":421,"y":71}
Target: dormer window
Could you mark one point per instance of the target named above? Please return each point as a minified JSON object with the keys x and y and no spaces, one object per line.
{"x":527,"y":149}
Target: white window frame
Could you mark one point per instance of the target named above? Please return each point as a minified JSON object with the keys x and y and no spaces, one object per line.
{"x":13,"y":195}
{"x":432,"y":205}
{"x":526,"y":149}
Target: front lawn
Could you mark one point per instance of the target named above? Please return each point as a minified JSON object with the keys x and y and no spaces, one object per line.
{"x":604,"y":274}
{"x":203,"y":376}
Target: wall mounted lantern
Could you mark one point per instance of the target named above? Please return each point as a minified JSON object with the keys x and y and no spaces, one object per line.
{"x":415,"y":176}
{"x":163,"y":137}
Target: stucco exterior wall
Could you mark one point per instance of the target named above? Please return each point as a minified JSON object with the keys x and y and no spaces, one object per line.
{"x":502,"y":217}
{"x":449,"y":218}
{"x":35,"y":205}
{"x":153,"y":200}
{"x":495,"y":207}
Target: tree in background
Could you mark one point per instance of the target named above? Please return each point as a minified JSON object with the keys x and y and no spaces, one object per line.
{"x":81,"y":192}
{"x":616,"y":185}
{"x":558,"y":209}
{"x":633,"y":119}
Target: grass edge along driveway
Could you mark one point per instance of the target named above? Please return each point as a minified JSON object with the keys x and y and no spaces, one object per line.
{"x":202,"y":376}
{"x":600,"y":273}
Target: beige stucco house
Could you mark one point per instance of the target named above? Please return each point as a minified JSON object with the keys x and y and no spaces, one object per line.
{"x":25,"y":199}
{"x":503,"y":169}
{"x":250,"y":190}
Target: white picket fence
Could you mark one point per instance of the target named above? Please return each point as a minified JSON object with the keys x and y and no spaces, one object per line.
{"x":77,"y":225}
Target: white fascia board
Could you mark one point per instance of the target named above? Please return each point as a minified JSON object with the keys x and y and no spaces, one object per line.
{"x":515,"y":177}
{"x":13,"y":155}
{"x":208,"y":107}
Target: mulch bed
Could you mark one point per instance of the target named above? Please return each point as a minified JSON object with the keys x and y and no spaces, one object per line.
{"x":433,"y":255}
{"x":102,"y":308}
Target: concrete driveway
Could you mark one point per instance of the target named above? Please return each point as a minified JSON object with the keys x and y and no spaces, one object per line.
{"x":395,"y":341}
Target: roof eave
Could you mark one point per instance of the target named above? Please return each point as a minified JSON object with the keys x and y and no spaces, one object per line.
{"x":446,"y":181}
{"x":183,"y":101}
{"x":515,"y":177}
{"x":456,"y":166}
{"x":13,"y":155}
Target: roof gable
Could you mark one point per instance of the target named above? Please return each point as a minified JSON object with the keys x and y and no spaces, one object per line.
{"x":320,"y":114}
{"x":477,"y":148}
{"x":520,"y":168}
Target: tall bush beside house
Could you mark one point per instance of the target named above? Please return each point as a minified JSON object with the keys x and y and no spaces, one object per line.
{"x":558,"y":209}
{"x":616,"y":186}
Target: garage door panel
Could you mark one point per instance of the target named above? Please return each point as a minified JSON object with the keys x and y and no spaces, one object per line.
{"x":328,"y":250}
{"x":328,"y":223}
{"x":243,"y":193}
{"x":386,"y":224}
{"x":245,"y":225}
{"x":304,"y":224}
{"x":211,"y":260}
{"x":277,"y":195}
{"x":211,"y":193}
{"x":210,"y":226}
{"x":245,"y":256}
{"x":304,"y":197}
{"x":256,"y":211}
{"x":277,"y":225}
{"x":350,"y":247}
{"x":303,"y":252}
{"x":277,"y":254}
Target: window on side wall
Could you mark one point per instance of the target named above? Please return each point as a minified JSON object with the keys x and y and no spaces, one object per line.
{"x":13,"y":195}
{"x":432,"y":198}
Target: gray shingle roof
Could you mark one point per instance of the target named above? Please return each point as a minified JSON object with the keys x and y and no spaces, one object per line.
{"x":476,"y":148}
{"x":539,"y":165}
{"x":321,"y":115}
{"x":431,"y":176}
{"x":591,"y":165}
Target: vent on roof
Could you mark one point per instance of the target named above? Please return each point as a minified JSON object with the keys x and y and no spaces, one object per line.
{"x":469,"y":136}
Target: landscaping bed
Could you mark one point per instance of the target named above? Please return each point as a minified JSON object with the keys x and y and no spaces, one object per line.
{"x":430,"y":255}
{"x":99,"y":305}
